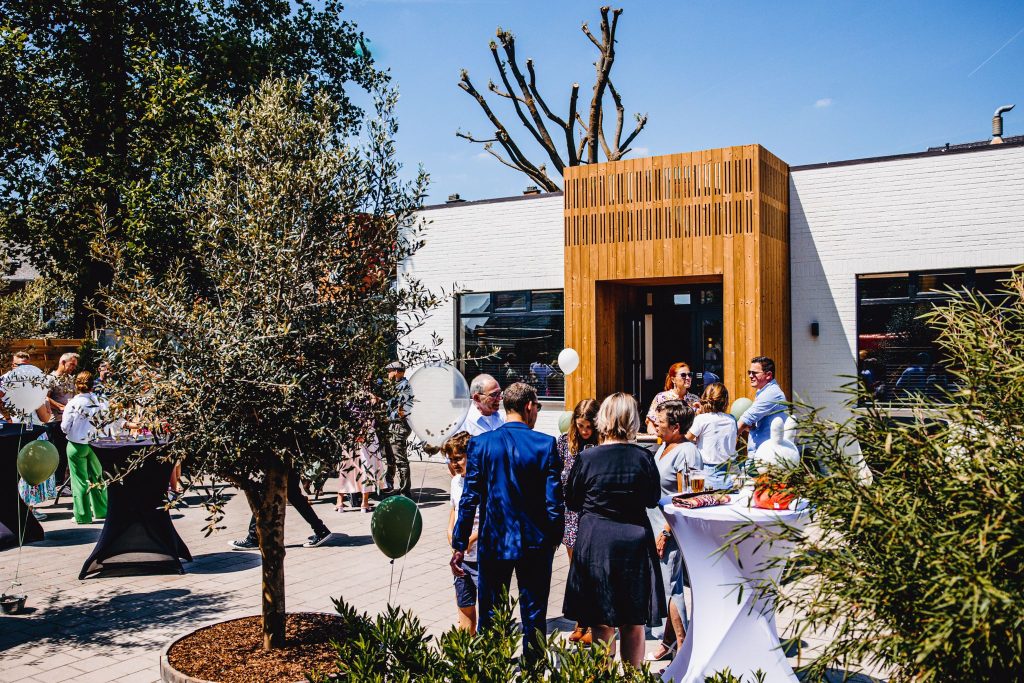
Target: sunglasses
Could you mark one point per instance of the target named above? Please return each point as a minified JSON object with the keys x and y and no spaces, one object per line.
{"x":751,"y":373}
{"x":684,"y":374}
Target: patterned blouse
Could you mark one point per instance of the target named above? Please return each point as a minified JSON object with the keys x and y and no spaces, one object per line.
{"x":692,"y":400}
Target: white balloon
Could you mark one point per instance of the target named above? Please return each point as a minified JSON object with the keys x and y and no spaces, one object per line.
{"x":25,"y":388}
{"x":440,"y":401}
{"x":568,"y":361}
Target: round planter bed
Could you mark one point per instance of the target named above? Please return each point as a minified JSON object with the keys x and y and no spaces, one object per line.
{"x":232,"y":651}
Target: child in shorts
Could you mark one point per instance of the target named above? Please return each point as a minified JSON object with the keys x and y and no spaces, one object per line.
{"x":454,"y":450}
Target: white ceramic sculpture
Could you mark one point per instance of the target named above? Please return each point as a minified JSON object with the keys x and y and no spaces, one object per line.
{"x":778,"y":451}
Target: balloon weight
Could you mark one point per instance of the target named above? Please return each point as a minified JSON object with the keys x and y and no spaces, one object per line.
{"x":740,"y":406}
{"x":37,"y":461}
{"x":440,"y":401}
{"x":396,"y":526}
{"x":564,"y":420}
{"x":25,"y":388}
{"x":568,"y":361}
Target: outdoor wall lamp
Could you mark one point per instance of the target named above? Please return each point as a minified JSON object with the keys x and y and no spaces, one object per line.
{"x":815,"y":329}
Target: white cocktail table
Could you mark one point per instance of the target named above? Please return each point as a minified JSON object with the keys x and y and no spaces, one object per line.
{"x":729,"y":629}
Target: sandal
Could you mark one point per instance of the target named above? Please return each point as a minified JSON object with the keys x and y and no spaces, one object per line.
{"x":662,"y":654}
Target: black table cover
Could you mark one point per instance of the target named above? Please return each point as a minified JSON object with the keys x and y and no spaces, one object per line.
{"x":12,"y":508}
{"x":138,"y":530}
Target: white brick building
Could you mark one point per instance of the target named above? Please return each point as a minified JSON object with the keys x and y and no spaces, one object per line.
{"x":955,"y":212}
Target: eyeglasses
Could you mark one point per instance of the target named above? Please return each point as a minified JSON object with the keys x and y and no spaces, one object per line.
{"x":494,"y":394}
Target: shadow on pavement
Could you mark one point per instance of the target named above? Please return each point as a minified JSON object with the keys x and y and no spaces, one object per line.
{"x":79,"y":535}
{"x":124,"y":619}
{"x":223,"y":562}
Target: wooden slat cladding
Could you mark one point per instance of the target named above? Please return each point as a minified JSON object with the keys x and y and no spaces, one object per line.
{"x":718,"y":215}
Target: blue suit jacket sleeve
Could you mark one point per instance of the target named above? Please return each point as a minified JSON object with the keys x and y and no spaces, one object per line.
{"x":554,"y":500}
{"x":470,"y":500}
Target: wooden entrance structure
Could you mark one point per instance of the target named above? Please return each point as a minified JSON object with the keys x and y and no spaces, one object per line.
{"x":719,"y":215}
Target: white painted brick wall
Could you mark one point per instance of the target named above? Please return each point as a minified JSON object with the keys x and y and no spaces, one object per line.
{"x":490,"y":247}
{"x":962,"y":210}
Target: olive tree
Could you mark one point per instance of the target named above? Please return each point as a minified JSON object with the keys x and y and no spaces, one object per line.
{"x":268,"y":361}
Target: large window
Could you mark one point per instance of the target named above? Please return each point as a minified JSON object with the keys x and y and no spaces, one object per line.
{"x":897,"y":352}
{"x":514,"y":336}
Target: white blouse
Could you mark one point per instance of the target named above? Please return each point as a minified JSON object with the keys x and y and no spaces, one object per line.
{"x":76,"y":420}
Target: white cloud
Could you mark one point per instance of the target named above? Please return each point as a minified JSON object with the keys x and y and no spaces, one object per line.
{"x":823,"y":102}
{"x":637,"y":152}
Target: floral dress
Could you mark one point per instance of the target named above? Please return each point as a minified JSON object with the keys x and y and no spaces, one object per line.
{"x":572,"y":519}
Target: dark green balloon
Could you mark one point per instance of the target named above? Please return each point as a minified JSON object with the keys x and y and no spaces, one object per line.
{"x":396,"y":526}
{"x":37,"y":461}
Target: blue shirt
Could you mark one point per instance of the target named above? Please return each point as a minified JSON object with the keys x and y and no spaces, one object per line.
{"x":769,"y":403}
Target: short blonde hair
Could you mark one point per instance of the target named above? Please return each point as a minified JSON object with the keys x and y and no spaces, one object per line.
{"x":618,"y":418}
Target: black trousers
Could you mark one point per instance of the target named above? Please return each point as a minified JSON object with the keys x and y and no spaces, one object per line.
{"x":298,"y":501}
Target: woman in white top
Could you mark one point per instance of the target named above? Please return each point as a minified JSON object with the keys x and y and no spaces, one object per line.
{"x":87,"y":489}
{"x":714,"y":431}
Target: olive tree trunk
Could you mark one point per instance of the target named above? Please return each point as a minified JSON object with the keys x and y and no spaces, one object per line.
{"x":269,"y":509}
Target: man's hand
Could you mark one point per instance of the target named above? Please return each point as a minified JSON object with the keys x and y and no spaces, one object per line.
{"x":659,"y":544}
{"x":456,"y":563}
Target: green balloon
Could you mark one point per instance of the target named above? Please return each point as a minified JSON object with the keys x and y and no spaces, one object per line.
{"x":37,"y":461}
{"x":740,"y":406}
{"x":564,"y":420}
{"x":396,"y":526}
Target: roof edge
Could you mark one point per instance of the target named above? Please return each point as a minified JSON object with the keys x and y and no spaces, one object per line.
{"x":494,"y":200}
{"x":940,"y":152}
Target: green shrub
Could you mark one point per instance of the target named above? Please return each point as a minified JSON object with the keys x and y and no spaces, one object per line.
{"x":918,"y":574}
{"x":394,"y":648}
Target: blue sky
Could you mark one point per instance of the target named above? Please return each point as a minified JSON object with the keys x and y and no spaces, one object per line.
{"x":811,"y":81}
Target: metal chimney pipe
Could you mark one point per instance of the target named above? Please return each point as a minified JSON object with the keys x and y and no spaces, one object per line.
{"x":997,"y":123}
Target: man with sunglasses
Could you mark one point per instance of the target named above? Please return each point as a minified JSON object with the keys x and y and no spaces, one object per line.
{"x":483,"y":415}
{"x":769,"y":402}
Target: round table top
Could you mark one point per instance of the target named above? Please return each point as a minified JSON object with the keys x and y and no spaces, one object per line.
{"x":738,"y":509}
{"x":128,"y":442}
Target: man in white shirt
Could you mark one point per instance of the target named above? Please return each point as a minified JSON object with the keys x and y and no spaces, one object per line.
{"x":483,"y":415}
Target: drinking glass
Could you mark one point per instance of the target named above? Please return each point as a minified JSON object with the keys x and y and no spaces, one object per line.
{"x":697,"y":481}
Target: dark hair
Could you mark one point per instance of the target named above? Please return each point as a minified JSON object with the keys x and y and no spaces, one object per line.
{"x":83,"y":382}
{"x":586,"y":410}
{"x":672,"y":370}
{"x":23,"y":355}
{"x":767,"y":364}
{"x":715,"y":398}
{"x":517,"y":396}
{"x":677,"y":413}
{"x":457,"y":444}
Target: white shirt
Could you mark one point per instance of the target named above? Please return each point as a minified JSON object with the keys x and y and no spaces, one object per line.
{"x":75,"y":422}
{"x":476,"y":423}
{"x":458,"y":482}
{"x":716,"y":437}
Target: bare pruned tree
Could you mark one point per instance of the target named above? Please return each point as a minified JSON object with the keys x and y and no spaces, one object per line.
{"x":536,"y":116}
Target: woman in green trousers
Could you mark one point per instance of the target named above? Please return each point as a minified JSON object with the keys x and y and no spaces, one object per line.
{"x":88,"y":491}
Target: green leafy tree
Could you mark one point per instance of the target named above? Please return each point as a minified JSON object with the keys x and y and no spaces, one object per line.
{"x":106,"y":108}
{"x":916,"y":570}
{"x":265,"y":360}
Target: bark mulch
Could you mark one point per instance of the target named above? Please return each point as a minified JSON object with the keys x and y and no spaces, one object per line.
{"x":232,"y":651}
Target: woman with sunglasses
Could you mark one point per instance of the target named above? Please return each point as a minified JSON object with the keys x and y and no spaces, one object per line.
{"x":677,"y":388}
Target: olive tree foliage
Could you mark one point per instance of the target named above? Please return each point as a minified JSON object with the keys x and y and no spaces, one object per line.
{"x":106,"y":107}
{"x":556,"y":135}
{"x":918,"y":569}
{"x":263,"y":356}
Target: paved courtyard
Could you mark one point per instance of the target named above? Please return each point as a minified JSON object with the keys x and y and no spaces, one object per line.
{"x":112,"y":627}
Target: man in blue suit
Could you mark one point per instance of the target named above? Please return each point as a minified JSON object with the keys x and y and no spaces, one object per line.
{"x":513,"y":475}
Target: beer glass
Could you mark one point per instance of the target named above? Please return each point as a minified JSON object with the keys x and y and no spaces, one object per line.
{"x":697,"y":481}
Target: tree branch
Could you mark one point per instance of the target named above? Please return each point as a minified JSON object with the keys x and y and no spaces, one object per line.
{"x":503,"y":35}
{"x":508,"y":42}
{"x":603,"y":67}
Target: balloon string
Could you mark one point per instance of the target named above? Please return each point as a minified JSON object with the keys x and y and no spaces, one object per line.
{"x":21,"y":527}
{"x":408,"y":541}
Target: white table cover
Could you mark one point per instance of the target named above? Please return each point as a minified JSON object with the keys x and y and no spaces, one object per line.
{"x":728,"y":629}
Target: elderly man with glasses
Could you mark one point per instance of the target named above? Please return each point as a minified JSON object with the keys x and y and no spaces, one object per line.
{"x":769,"y":402}
{"x":483,"y":415}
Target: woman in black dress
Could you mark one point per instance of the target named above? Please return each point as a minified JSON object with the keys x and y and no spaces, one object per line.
{"x":614,"y":580}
